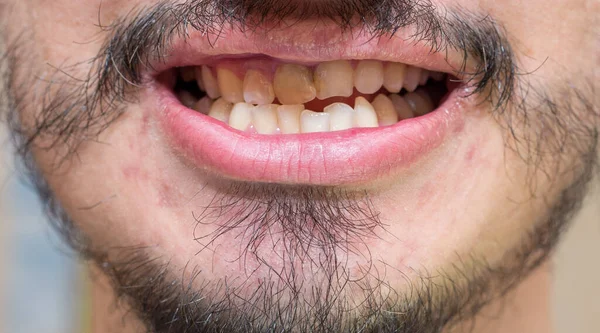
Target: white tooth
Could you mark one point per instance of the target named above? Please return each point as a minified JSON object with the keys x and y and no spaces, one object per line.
{"x":207,"y":80}
{"x":424,"y":77}
{"x":293,"y":84}
{"x":368,"y":76}
{"x":341,"y":116}
{"x":393,"y":76}
{"x":334,"y":78}
{"x":419,"y":102}
{"x":403,"y":109}
{"x":258,"y":88}
{"x":411,"y":78}
{"x":264,"y":118}
{"x":386,"y":113}
{"x":230,"y":85}
{"x":311,"y":121}
{"x":289,"y":118}
{"x":188,"y":74}
{"x":220,"y":110}
{"x":364,"y":113}
{"x":186,"y":98}
{"x":241,"y":116}
{"x":203,"y":105}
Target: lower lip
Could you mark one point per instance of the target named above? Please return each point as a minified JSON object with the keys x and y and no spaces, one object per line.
{"x":355,"y":156}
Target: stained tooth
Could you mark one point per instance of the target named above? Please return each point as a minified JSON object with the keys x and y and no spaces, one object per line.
{"x":424,"y":77}
{"x":341,"y":116}
{"x":334,"y":78}
{"x":186,"y":98}
{"x":220,"y":110}
{"x":311,"y":122}
{"x":289,"y":118}
{"x":393,"y":76}
{"x":403,"y":109}
{"x":241,"y":116}
{"x":419,"y":102}
{"x":384,"y":108}
{"x":188,"y":74}
{"x":230,"y":85}
{"x":258,"y":88}
{"x":368,"y":76}
{"x":364,"y":113}
{"x":411,"y":78}
{"x":293,"y":84}
{"x":264,"y":118}
{"x":203,"y":105}
{"x":207,"y":80}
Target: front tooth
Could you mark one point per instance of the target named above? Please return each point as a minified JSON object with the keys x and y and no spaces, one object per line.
{"x":368,"y":76}
{"x":289,"y":118}
{"x":207,"y":80}
{"x":230,"y":85}
{"x":419,"y":102}
{"x":311,"y":121}
{"x":386,"y":113}
{"x":264,"y":118}
{"x":203,"y":105}
{"x":220,"y":110}
{"x":293,"y":84}
{"x":334,"y":78}
{"x":341,"y":116}
{"x":241,"y":116}
{"x":364,"y":113}
{"x":403,"y":109}
{"x":258,"y":88}
{"x":411,"y":78}
{"x":393,"y":76}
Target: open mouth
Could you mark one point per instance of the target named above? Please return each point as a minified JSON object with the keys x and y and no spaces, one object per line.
{"x":252,"y":110}
{"x":264,"y":96}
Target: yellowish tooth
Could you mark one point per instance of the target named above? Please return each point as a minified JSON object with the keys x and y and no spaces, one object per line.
{"x":241,"y":116}
{"x":293,"y":84}
{"x":264,"y":118}
{"x":188,"y":74}
{"x":403,"y":109}
{"x":411,"y":78}
{"x":258,"y":88}
{"x":207,"y":80}
{"x":203,"y":105}
{"x":419,"y":102}
{"x":289,"y":118}
{"x":230,"y":85}
{"x":334,"y":78}
{"x":341,"y":116}
{"x":220,"y":110}
{"x":384,"y":108}
{"x":364,"y":113}
{"x":311,"y":122}
{"x":424,"y":77}
{"x":393,"y":76}
{"x":368,"y":76}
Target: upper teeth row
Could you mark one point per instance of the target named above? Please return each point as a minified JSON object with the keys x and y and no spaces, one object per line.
{"x":297,"y":84}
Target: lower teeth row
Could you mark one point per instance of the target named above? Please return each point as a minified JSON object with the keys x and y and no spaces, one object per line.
{"x":290,"y":119}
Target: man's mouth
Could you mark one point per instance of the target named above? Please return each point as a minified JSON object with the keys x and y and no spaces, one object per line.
{"x":270,"y":117}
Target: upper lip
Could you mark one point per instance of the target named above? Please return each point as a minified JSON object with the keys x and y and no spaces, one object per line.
{"x":355,"y":156}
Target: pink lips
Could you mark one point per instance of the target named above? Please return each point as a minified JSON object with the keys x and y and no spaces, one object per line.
{"x":334,"y":158}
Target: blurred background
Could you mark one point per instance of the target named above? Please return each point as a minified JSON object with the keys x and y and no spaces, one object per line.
{"x":42,"y":284}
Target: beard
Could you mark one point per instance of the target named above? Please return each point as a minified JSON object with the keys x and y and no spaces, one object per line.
{"x":312,"y":232}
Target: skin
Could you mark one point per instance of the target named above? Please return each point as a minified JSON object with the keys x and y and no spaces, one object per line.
{"x":472,"y":196}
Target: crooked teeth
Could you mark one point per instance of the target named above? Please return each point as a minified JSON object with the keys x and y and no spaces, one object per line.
{"x":230,"y":85}
{"x":334,"y":78}
{"x":386,"y":113}
{"x":368,"y":76}
{"x":220,"y":110}
{"x":364,"y":113}
{"x":258,"y":88}
{"x":289,"y":118}
{"x":293,"y":84}
{"x":341,"y":116}
{"x":311,"y":122}
{"x":241,"y":116}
